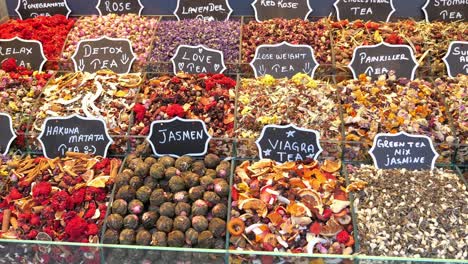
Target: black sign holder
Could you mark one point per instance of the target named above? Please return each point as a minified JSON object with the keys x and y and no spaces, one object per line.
{"x":20,"y":9}
{"x":204,"y":3}
{"x":277,"y":12}
{"x":453,"y":62}
{"x":355,"y":17}
{"x":433,"y":13}
{"x":133,"y":2}
{"x":8,"y":135}
{"x":217,"y":66}
{"x":36,"y":62}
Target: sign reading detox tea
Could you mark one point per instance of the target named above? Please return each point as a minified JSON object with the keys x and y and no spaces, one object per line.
{"x":446,"y":10}
{"x":284,"y":60}
{"x":178,"y":137}
{"x":92,"y":55}
{"x":7,"y":134}
{"x":198,"y":59}
{"x":25,"y":52}
{"x":288,"y":143}
{"x":403,"y":151}
{"x":119,"y":7}
{"x":456,"y":59}
{"x":384,"y":59}
{"x":33,"y":8}
{"x":74,"y":134}
{"x":288,"y":9}
{"x":374,"y":10}
{"x":210,"y":10}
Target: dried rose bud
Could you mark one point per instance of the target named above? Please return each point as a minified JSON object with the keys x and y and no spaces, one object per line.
{"x":183,"y":208}
{"x":183,"y":163}
{"x":181,"y":197}
{"x":217,"y":226}
{"x":136,"y":207}
{"x":148,"y":219}
{"x":126,"y":192}
{"x":143,"y":193}
{"x":221,"y":187}
{"x":191,"y":179}
{"x":119,"y":206}
{"x":167,"y":161}
{"x":198,"y":167}
{"x":167,"y":209}
{"x":181,"y":223}
{"x":206,"y":240}
{"x":150,"y":161}
{"x":127,"y":237}
{"x":158,"y":197}
{"x":136,"y":182}
{"x":211,"y":197}
{"x":211,"y":161}
{"x":199,"y":207}
{"x":176,"y":184}
{"x":205,"y":181}
{"x":191,"y":236}
{"x":111,"y":237}
{"x":143,"y":238}
{"x":142,"y":169}
{"x":164,"y":224}
{"x":171,"y":172}
{"x":199,"y":223}
{"x":196,"y":192}
{"x":131,"y":221}
{"x":176,"y":239}
{"x":157,"y":171}
{"x":115,"y":221}
{"x":159,"y":239}
{"x":220,"y":211}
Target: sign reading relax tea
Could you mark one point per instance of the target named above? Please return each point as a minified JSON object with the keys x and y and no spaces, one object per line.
{"x":7,"y":134}
{"x":446,"y":10}
{"x":456,"y":59}
{"x":119,"y":7}
{"x":198,"y":59}
{"x":33,"y":8}
{"x":288,"y":9}
{"x":210,"y":10}
{"x":27,"y":53}
{"x":374,"y":10}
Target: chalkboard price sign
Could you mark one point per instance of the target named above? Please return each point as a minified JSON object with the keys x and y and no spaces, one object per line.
{"x":382,"y":59}
{"x":26,"y":52}
{"x":178,"y":137}
{"x":288,"y":143}
{"x":288,"y":9}
{"x":198,"y":59}
{"x":115,"y":54}
{"x":403,"y":151}
{"x":33,"y":8}
{"x":74,"y":134}
{"x":7,"y":134}
{"x":374,"y":11}
{"x":456,"y":59}
{"x":284,"y":60}
{"x":210,"y":10}
{"x":119,"y":7}
{"x":446,"y":10}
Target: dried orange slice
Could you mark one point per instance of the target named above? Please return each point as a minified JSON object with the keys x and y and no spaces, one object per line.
{"x":254,"y":204}
{"x":331,"y":228}
{"x":311,"y":165}
{"x":99,"y":182}
{"x":298,"y":209}
{"x":331,"y":166}
{"x":275,"y":218}
{"x":286,"y":166}
{"x":297,"y":183}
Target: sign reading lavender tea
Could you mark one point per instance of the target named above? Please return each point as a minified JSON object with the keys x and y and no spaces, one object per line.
{"x":7,"y":134}
{"x":198,"y":59}
{"x":288,"y":143}
{"x":284,"y":60}
{"x":27,"y":53}
{"x":384,"y":59}
{"x":33,"y":8}
{"x":208,"y":10}
{"x":374,"y":10}
{"x":74,"y":134}
{"x":456,"y":59}
{"x":403,"y":151}
{"x":446,"y":10}
{"x":288,"y":9}
{"x":119,"y":7}
{"x":178,"y":137}
{"x":114,"y":54}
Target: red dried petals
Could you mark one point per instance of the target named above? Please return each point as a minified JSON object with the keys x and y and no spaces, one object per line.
{"x":78,"y":196}
{"x":140,"y":112}
{"x":61,"y":201}
{"x":9,"y":65}
{"x":342,"y":237}
{"x":316,"y":228}
{"x":175,"y":110}
{"x":15,"y":194}
{"x":42,"y":191}
{"x":76,"y":229}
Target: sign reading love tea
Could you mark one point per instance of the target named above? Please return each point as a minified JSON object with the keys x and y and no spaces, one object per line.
{"x":382,"y":59}
{"x":7,"y":134}
{"x":288,"y":143}
{"x":25,"y":52}
{"x":374,"y":10}
{"x":198,"y":59}
{"x":456,"y":59}
{"x":403,"y":151}
{"x":284,"y":60}
{"x":74,"y":134}
{"x":92,"y":55}
{"x":288,"y":9}
{"x":119,"y":7}
{"x":178,"y":137}
{"x":446,"y":10}
{"x":210,"y":10}
{"x":33,"y":8}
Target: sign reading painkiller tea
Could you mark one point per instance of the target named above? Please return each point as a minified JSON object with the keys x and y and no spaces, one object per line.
{"x":25,"y":52}
{"x":33,"y":8}
{"x":74,"y":134}
{"x":456,"y":59}
{"x":381,"y":59}
{"x":7,"y":134}
{"x":178,"y":137}
{"x":198,"y":59}
{"x":403,"y":151}
{"x":115,"y":54}
{"x":288,"y":9}
{"x":288,"y":143}
{"x":208,"y":10}
{"x":119,"y":7}
{"x":284,"y":60}
{"x":446,"y":10}
{"x":373,"y":10}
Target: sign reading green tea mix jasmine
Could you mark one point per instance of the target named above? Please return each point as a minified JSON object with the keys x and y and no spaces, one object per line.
{"x":7,"y":134}
{"x":208,"y":10}
{"x":27,"y":53}
{"x":288,"y":9}
{"x":33,"y":8}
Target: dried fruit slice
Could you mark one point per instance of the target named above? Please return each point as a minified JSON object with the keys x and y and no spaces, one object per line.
{"x":311,"y":199}
{"x":331,"y":228}
{"x":268,"y":195}
{"x":331,"y":166}
{"x":275,"y":218}
{"x":99,"y":182}
{"x":298,"y":209}
{"x":254,"y":204}
{"x":286,"y":166}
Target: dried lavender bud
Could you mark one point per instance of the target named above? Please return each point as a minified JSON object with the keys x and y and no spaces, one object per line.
{"x":191,"y":236}
{"x":159,"y":239}
{"x":205,"y":181}
{"x":223,"y":168}
{"x":131,"y":221}
{"x":115,"y":221}
{"x":164,"y":224}
{"x":217,"y":226}
{"x":167,"y":161}
{"x":211,"y":161}
{"x":167,"y":209}
{"x":136,"y":182}
{"x":176,"y":239}
{"x":211,"y":173}
{"x":126,"y":192}
{"x":199,"y":223}
{"x":183,"y":163}
{"x":211,"y":197}
{"x":181,"y":197}
{"x":219,"y":243}
{"x":111,"y":237}
{"x":221,"y":187}
{"x":198,"y":167}
{"x":181,"y":223}
{"x":183,"y":208}
{"x":127,"y":237}
{"x":196,"y":192}
{"x":157,"y":171}
{"x":199,"y":207}
{"x":151,"y":182}
{"x":171,"y":172}
{"x":150,"y":161}
{"x":158,"y":197}
{"x":132,"y":164}
{"x":119,"y":207}
{"x":122,"y":179}
{"x":148,"y":220}
{"x":143,"y":193}
{"x":176,"y":184}
{"x":143,"y":238}
{"x":191,"y":179}
{"x":206,"y":240}
{"x":136,"y":207}
{"x":220,"y":211}
{"x":142,"y":169}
